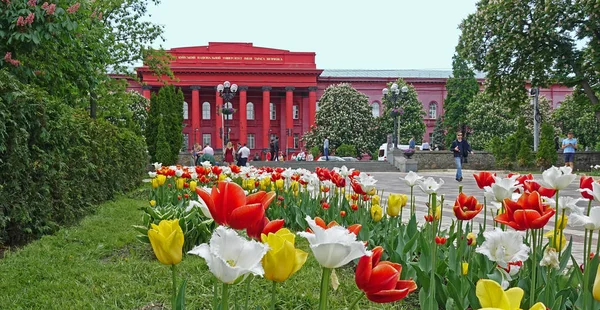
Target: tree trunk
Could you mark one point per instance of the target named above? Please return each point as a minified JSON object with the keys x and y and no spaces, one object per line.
{"x":587,"y":89}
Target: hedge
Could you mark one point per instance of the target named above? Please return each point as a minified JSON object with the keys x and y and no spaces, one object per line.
{"x":56,"y":163}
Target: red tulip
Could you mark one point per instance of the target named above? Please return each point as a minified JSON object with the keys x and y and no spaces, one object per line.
{"x":357,"y":187}
{"x":440,"y":240}
{"x":355,"y":229}
{"x":484,"y":178}
{"x":261,"y":197}
{"x":264,"y":227}
{"x":586,"y":182}
{"x":533,"y":186}
{"x":527,"y":213}
{"x":227,"y":205}
{"x":466,"y":207}
{"x":381,"y":280}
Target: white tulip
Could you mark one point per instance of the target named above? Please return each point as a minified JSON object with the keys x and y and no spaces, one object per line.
{"x":412,"y":178}
{"x":502,"y":188}
{"x":152,"y":174}
{"x":569,"y":204}
{"x":503,"y":247}
{"x":157,"y":166}
{"x":591,"y":222}
{"x":430,"y":186}
{"x":333,"y":247}
{"x":557,"y":178}
{"x":201,"y":205}
{"x":366,"y":181}
{"x":230,"y":256}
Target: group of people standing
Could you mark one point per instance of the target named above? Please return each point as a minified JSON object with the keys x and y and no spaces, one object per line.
{"x":229,"y":154}
{"x":274,"y":153}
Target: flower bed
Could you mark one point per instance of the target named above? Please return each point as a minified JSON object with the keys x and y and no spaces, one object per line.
{"x":339,"y":211}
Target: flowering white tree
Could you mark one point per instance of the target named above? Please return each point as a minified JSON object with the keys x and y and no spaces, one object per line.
{"x":345,"y":117}
{"x":410,"y":121}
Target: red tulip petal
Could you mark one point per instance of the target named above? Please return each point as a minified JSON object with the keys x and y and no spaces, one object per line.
{"x":255,"y":198}
{"x":355,"y":229}
{"x":332,"y":223}
{"x":363,"y":272}
{"x":387,"y":296}
{"x":383,"y":277}
{"x":267,"y":199}
{"x":255,"y":230}
{"x":206,"y":197}
{"x":246,"y":216}
{"x":396,"y":266}
{"x":406,"y":284}
{"x":376,"y":255}
{"x":541,"y":221}
{"x":319,"y":221}
{"x":231,"y":197}
{"x":273,"y":226}
{"x":525,"y":218}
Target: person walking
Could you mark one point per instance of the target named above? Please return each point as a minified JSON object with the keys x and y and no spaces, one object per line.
{"x":460,"y":148}
{"x":244,"y":153}
{"x":326,"y":148}
{"x":229,"y":151}
{"x":276,"y":145}
{"x":412,"y":145}
{"x":569,"y":145}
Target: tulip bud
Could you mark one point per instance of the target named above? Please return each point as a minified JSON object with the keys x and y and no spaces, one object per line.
{"x":376,"y":199}
{"x":342,"y":213}
{"x":152,"y":203}
{"x":562,"y":222}
{"x":161,"y":179}
{"x":471,"y":239}
{"x":179,"y":183}
{"x":279,"y":184}
{"x":193,"y":185}
{"x":376,"y":213}
{"x":154,"y":183}
{"x":465,"y":268}
{"x":167,"y":239}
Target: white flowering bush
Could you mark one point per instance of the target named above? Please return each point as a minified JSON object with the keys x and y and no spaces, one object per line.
{"x":345,"y":116}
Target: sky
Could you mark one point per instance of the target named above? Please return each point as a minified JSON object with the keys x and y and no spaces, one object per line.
{"x":352,"y":34}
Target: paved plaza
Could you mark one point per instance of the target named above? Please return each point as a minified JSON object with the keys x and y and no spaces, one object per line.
{"x":390,"y":182}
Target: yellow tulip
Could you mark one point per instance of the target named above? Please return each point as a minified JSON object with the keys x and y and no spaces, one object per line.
{"x":250,"y":184}
{"x":376,"y":213}
{"x":492,"y":296}
{"x":295,"y":186}
{"x":279,"y":184}
{"x":538,"y":306}
{"x":193,"y":185}
{"x":166,"y":239}
{"x":596,"y":287}
{"x":179,"y":183}
{"x":376,"y":199}
{"x":471,"y":239}
{"x":283,"y":259}
{"x":465,"y":268}
{"x":343,"y":190}
{"x":372,"y":192}
{"x":222,"y":177}
{"x":395,"y":202}
{"x":152,"y":202}
{"x":561,"y":239}
{"x":562,"y":222}
{"x":161,"y":179}
{"x":155,"y":183}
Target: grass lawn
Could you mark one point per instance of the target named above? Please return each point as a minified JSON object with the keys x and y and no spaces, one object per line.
{"x":99,"y":264}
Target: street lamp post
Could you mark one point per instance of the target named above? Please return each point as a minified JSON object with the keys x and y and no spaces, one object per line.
{"x":392,"y":95}
{"x":227,"y":92}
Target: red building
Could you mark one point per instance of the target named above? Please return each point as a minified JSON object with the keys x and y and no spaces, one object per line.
{"x":278,"y":92}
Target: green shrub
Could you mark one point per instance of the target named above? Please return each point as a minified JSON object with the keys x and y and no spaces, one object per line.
{"x":315,"y":152}
{"x":56,"y":163}
{"x":546,"y":155}
{"x":163,"y":151}
{"x":346,"y":150}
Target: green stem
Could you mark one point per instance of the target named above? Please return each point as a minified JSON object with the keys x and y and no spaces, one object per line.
{"x":598,"y":243}
{"x":174,"y":276}
{"x":586,"y":255}
{"x":502,"y":226}
{"x":324,"y":288}
{"x":556,"y":220}
{"x":433,"y":197}
{"x":273,"y":295}
{"x":484,"y":213}
{"x":355,"y":302}
{"x":460,"y":244}
{"x":533,"y":269}
{"x":248,"y":280}
{"x":225,"y":297}
{"x":412,"y":209}
{"x":560,"y":236}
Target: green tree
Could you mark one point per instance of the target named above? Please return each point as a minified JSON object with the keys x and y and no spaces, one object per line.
{"x":524,"y":140}
{"x":462,"y":88}
{"x":166,"y":106}
{"x":346,"y":117}
{"x":410,"y":121}
{"x":576,"y":113}
{"x":439,"y":134}
{"x":546,"y":155}
{"x":488,"y":118}
{"x":163,"y":149}
{"x":537,"y":41}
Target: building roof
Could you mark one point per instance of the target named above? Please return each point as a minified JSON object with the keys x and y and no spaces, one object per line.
{"x":436,"y":74}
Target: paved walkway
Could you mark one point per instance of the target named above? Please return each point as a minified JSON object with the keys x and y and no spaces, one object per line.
{"x":390,"y":182}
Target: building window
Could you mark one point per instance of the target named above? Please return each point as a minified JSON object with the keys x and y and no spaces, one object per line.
{"x":250,"y":111}
{"x":205,"y":139}
{"x":375,"y":108}
{"x":295,"y":112}
{"x":558,"y":104}
{"x":251,"y":141}
{"x":206,"y":110}
{"x":296,"y":140}
{"x":228,"y":116}
{"x":317,"y":109}
{"x":186,"y":140}
{"x":430,"y":137}
{"x":185,"y":110}
{"x":433,"y":109}
{"x":273,"y":111}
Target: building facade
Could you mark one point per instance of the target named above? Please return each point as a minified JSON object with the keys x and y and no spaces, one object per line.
{"x":278,"y":93}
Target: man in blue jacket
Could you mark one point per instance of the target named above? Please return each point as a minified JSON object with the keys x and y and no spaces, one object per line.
{"x":461,"y":150}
